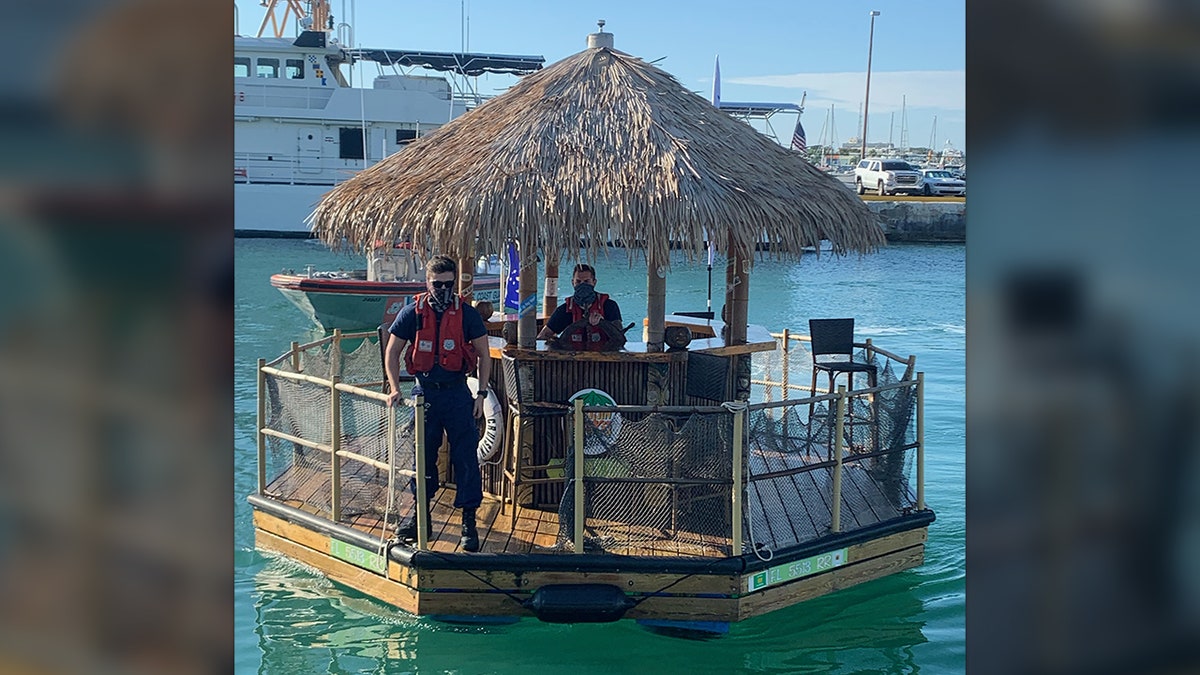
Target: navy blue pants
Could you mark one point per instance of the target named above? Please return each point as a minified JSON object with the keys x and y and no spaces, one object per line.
{"x":452,"y":411}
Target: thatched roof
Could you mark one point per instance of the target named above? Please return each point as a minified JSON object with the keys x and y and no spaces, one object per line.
{"x":598,"y":145}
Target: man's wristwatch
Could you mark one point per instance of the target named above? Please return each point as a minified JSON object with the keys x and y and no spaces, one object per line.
{"x":482,"y":393}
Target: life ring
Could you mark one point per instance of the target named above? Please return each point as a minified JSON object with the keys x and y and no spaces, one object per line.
{"x":493,"y":429}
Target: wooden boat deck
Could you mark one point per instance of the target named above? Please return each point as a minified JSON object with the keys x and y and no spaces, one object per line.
{"x":782,"y":511}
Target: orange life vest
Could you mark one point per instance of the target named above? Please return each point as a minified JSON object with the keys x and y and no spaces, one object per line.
{"x":443,"y":344}
{"x":593,"y":337}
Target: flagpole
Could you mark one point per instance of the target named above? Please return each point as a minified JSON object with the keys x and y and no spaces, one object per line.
{"x":708,"y":307}
{"x":716,"y":101}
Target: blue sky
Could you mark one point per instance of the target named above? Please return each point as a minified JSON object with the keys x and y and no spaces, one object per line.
{"x":769,"y":51}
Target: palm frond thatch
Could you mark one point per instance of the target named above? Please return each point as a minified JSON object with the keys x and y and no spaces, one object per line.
{"x":597,"y":146}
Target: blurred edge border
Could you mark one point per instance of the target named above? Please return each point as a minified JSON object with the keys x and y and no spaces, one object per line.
{"x":1083,"y":502}
{"x":116,"y":339}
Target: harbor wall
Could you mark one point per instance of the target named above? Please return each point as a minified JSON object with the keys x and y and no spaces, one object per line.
{"x":922,"y":221}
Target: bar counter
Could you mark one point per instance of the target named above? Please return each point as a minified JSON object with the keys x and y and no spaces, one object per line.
{"x":707,"y":372}
{"x":706,"y":339}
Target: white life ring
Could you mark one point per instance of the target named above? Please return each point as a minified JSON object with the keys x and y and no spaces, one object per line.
{"x":493,"y":429}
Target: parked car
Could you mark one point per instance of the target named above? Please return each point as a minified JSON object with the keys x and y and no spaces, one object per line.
{"x":941,"y":182}
{"x":886,"y":177}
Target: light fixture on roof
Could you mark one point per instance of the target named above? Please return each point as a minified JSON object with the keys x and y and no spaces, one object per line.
{"x":600,"y":38}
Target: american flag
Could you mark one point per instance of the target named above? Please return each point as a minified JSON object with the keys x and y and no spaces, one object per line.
{"x":798,"y":141}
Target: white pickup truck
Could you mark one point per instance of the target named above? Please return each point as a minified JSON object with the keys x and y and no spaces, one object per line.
{"x":886,"y":177}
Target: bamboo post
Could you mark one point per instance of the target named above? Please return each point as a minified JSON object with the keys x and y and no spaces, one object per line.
{"x":837,"y":459}
{"x":390,"y":411}
{"x":739,"y":422}
{"x":295,"y":356}
{"x":656,"y":304}
{"x":422,"y":513}
{"x":551,"y":301}
{"x":578,"y":477}
{"x":335,"y":361}
{"x":335,"y":444}
{"x":786,"y":358}
{"x":920,"y":441}
{"x":527,"y":284}
{"x":466,"y":278}
{"x":872,"y":401}
{"x":262,"y":423}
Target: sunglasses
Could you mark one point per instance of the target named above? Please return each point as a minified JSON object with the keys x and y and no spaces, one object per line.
{"x":442,"y":284}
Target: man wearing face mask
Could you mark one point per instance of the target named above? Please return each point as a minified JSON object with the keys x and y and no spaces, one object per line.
{"x":442,"y":338}
{"x":585,"y":302}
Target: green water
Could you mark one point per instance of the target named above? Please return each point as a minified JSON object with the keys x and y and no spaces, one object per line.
{"x":908,"y":298}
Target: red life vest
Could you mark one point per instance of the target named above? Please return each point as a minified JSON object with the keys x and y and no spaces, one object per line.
{"x":443,"y":344}
{"x":593,"y":337}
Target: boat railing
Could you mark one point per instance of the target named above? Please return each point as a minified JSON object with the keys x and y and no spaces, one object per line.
{"x":278,"y":94}
{"x":675,"y":478}
{"x":705,"y":481}
{"x":271,"y":168}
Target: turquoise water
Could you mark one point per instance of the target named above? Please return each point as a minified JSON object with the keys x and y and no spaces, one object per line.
{"x":909,"y":298}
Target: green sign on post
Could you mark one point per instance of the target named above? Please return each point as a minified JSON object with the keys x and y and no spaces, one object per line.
{"x":796,"y":570}
{"x":359,"y":557}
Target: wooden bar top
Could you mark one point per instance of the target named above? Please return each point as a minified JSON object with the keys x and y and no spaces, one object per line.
{"x":706,"y":338}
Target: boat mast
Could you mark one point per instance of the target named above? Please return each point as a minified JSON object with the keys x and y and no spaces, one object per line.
{"x":318,"y":10}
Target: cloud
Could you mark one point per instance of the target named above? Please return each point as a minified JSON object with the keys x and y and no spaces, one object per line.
{"x":943,"y":90}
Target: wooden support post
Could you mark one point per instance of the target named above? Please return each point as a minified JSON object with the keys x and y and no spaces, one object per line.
{"x":295,"y":356}
{"x":466,"y":279}
{"x":739,"y":425}
{"x":335,"y":444}
{"x":527,"y":312}
{"x":656,"y":304}
{"x":836,"y":498}
{"x":550,"y":303}
{"x":390,"y":411}
{"x":335,"y":356}
{"x":578,"y":475}
{"x":422,"y":496}
{"x":262,"y":423}
{"x":920,"y":441}
{"x":786,"y":357}
{"x":873,"y":402}
{"x":738,"y":294}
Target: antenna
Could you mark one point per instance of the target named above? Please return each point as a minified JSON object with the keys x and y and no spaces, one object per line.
{"x":600,"y":23}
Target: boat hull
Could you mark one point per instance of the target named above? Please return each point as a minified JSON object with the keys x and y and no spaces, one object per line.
{"x":269,"y":210}
{"x":705,"y":592}
{"x":356,"y":304}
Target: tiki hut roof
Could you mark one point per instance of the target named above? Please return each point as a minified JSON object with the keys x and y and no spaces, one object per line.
{"x":599,"y":145}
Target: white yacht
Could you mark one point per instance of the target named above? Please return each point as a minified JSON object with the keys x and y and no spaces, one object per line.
{"x":300,"y":127}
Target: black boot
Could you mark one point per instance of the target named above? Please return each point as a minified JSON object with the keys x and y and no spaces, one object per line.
{"x":470,"y":536}
{"x":406,"y":529}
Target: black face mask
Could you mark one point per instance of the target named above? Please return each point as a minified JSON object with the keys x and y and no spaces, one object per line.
{"x":585,"y":293}
{"x":440,"y":298}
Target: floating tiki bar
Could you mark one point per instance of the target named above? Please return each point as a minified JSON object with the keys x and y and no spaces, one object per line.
{"x":683,"y":477}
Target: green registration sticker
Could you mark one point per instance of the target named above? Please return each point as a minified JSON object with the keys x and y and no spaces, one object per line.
{"x":796,"y":570}
{"x":360,"y":557}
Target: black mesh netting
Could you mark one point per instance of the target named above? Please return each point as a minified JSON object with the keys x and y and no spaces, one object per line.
{"x":790,"y":462}
{"x":653,"y":483}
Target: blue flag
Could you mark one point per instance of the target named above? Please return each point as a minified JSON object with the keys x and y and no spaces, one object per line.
{"x":512,"y":283}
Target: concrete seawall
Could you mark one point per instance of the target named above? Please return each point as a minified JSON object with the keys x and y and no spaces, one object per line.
{"x":921,"y":220}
